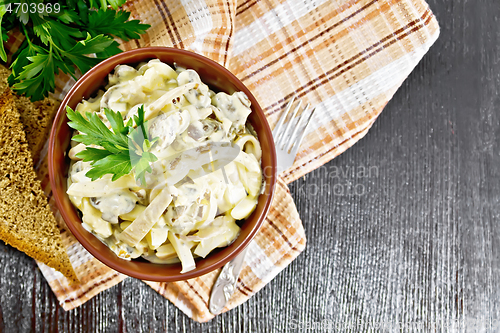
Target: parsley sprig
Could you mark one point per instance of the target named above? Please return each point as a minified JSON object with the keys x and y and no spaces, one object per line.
{"x":78,"y":35}
{"x":125,"y":148}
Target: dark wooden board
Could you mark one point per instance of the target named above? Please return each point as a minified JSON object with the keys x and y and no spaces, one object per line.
{"x":417,"y":244}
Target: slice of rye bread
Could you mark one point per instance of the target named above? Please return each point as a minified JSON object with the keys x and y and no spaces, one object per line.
{"x":36,"y":117}
{"x":26,"y":221}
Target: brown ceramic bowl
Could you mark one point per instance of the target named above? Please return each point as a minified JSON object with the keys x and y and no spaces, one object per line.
{"x":219,"y":79}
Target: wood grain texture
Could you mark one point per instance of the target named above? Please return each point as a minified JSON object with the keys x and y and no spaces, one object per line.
{"x":414,"y":240}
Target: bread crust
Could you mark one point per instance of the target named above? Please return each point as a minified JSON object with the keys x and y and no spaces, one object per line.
{"x":26,"y":221}
{"x":36,"y":117}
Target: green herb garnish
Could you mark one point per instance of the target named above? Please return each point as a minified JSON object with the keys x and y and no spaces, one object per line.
{"x":125,"y":148}
{"x":61,"y":36}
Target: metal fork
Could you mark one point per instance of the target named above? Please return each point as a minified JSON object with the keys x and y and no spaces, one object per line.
{"x":287,"y":146}
{"x":286,"y":151}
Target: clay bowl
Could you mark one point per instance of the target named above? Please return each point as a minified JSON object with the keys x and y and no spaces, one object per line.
{"x":219,"y":79}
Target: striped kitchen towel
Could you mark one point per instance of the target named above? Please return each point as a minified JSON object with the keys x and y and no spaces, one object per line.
{"x":346,"y":57}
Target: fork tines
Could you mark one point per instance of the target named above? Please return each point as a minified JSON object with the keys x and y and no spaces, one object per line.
{"x":281,"y":136}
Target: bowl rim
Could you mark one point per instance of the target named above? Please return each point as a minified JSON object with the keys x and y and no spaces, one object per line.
{"x":122,"y":58}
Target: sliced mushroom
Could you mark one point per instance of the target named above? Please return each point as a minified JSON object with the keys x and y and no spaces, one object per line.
{"x":198,"y":96}
{"x":235,"y":107}
{"x":167,"y":126}
{"x":122,"y":73}
{"x":188,"y":76}
{"x":114,"y":204}
{"x":141,"y":195}
{"x":201,"y":129}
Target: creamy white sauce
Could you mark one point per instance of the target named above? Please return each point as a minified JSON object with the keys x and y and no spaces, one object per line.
{"x":208,"y":173}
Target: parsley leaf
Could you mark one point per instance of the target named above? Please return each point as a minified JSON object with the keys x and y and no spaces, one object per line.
{"x":101,"y":22}
{"x":38,"y":76}
{"x":104,"y":4}
{"x":91,"y":154}
{"x":90,"y":45}
{"x":116,"y":3}
{"x":59,"y":33}
{"x":78,"y":36}
{"x":124,"y":149}
{"x":26,"y":50}
{"x":39,"y":65}
{"x":32,"y":11}
{"x":118,"y":165}
{"x":3,"y":35}
{"x":67,"y":16}
{"x":111,"y":50}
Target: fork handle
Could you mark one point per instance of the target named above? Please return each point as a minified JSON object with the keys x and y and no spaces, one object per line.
{"x":225,"y":284}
